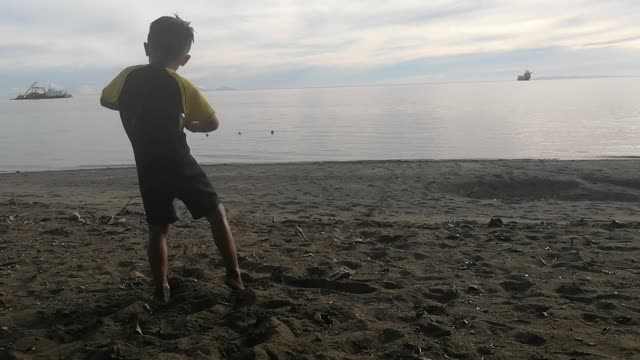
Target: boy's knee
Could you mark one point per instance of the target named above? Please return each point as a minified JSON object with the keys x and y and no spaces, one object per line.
{"x":218,"y":215}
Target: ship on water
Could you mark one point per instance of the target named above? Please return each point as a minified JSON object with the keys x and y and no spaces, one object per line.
{"x":526,"y":76}
{"x":38,"y":92}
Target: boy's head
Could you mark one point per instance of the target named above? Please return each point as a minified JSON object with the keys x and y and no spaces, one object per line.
{"x":169,"y":42}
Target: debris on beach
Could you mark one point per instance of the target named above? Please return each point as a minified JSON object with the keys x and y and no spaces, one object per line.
{"x":299,"y":233}
{"x":75,"y":216}
{"x":342,"y":273}
{"x":614,"y":224}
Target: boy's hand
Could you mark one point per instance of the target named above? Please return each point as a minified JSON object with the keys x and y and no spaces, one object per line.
{"x":202,"y":127}
{"x":198,"y":127}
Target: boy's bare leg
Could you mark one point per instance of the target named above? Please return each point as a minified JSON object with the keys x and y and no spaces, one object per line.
{"x":224,"y":241}
{"x":158,"y":259}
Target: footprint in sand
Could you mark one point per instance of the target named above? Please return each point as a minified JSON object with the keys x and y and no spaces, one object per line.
{"x":275,"y":304}
{"x":433,"y":330}
{"x":442,"y":295}
{"x":529,"y":338}
{"x":593,"y":318}
{"x":516,"y":284}
{"x":573,"y":292}
{"x":347,"y":287}
{"x":539,"y":310}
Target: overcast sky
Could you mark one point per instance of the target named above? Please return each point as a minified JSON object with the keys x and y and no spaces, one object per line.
{"x":286,"y":43}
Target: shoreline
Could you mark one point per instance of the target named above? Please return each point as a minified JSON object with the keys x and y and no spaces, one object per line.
{"x":311,"y":162}
{"x":389,"y":190}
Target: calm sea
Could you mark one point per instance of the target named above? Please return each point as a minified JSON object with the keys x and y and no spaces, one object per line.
{"x":565,"y":119}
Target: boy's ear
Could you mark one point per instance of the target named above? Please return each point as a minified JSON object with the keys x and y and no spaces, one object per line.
{"x":185,"y":60}
{"x":146,"y":49}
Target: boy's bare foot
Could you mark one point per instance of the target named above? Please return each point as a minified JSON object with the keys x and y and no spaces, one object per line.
{"x":163,"y":294}
{"x":234,"y":281}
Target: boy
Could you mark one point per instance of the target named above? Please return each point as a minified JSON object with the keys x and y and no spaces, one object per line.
{"x":156,"y":105}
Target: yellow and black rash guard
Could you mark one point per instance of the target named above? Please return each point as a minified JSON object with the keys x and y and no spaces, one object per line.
{"x":155,"y":103}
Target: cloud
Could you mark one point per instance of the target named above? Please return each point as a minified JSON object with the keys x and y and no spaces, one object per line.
{"x":256,"y":39}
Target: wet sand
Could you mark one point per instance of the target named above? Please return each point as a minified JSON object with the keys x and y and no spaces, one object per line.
{"x":360,"y":260}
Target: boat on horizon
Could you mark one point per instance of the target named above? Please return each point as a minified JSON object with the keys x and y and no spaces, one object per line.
{"x":38,"y":92}
{"x":526,"y":76}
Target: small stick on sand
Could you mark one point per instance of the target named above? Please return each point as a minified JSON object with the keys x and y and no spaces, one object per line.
{"x":300,"y":233}
{"x":10,"y":263}
{"x":542,"y":261}
{"x":124,"y":209}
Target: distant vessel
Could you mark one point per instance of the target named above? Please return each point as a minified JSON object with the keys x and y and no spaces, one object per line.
{"x":37,"y":92}
{"x":525,"y":77}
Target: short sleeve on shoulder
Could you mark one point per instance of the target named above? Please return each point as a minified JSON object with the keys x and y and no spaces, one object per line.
{"x":111,"y":92}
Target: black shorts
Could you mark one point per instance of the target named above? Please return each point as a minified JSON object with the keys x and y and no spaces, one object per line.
{"x":159,"y":191}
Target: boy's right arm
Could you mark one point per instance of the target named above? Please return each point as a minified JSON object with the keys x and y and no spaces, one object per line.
{"x":109,"y":105}
{"x":111,"y":92}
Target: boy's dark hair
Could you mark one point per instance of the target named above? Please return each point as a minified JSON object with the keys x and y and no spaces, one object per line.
{"x":170,"y":37}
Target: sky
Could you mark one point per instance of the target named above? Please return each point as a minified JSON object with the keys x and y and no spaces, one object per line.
{"x":81,"y":45}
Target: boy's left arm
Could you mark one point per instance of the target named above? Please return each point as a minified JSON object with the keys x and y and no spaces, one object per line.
{"x":203,"y":127}
{"x":199,"y":116}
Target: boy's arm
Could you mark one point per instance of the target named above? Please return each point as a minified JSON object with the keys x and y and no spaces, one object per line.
{"x":203,"y":127}
{"x":109,"y":105}
{"x":199,"y":116}
{"x":111,"y":92}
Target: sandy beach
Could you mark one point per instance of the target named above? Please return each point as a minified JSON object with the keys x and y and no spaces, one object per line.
{"x":357,"y":260}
